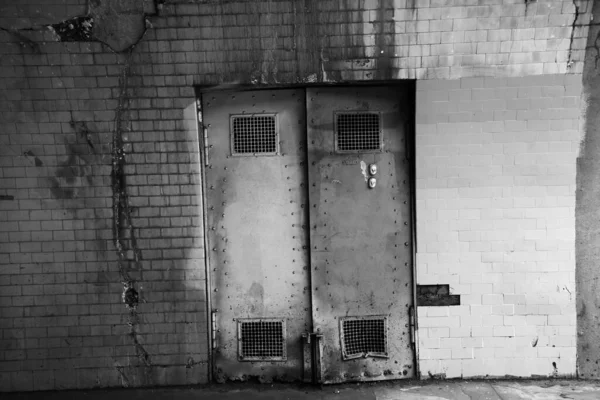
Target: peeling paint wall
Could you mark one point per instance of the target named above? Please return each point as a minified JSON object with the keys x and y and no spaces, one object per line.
{"x":101,"y":258}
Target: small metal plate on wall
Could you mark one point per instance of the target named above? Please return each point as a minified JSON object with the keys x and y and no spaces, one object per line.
{"x":363,"y":337}
{"x":262,"y":339}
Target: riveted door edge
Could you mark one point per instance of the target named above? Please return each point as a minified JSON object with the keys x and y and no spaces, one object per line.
{"x":311,"y":339}
{"x":202,"y":146}
{"x":411,"y":152}
{"x":408,"y":348}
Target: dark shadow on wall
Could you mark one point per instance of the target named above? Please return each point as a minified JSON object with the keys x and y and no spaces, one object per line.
{"x":587,"y":214}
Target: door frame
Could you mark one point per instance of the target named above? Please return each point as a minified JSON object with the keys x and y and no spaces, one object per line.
{"x":202,"y":90}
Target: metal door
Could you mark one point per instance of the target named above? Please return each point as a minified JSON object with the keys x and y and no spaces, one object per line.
{"x":257,"y":233}
{"x":360,"y":231}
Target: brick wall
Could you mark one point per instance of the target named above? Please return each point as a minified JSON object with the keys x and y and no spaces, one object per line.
{"x":63,"y":281}
{"x":291,"y":42}
{"x":64,"y":324}
{"x":65,"y":108}
{"x":496,"y":165}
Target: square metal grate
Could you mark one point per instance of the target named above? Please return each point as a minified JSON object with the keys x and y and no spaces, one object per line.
{"x":254,"y":134}
{"x":262,"y":339}
{"x":363,"y":337}
{"x":357,"y":131}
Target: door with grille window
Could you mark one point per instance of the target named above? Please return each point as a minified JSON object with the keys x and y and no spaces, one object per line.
{"x":309,"y":233}
{"x":257,"y":232}
{"x":360,"y":231}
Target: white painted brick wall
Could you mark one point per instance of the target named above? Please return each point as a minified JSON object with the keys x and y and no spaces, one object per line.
{"x":496,"y":162}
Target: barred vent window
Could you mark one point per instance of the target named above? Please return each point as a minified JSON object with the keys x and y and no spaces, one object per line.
{"x":254,"y":135}
{"x":363,"y":337}
{"x":262,"y":339}
{"x":358,"y":131}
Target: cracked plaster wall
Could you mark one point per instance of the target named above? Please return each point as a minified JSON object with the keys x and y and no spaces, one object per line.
{"x":99,"y":184}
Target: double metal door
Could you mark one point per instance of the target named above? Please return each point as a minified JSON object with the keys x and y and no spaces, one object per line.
{"x":309,"y":233}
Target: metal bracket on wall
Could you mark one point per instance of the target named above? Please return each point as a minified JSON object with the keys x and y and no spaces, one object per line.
{"x":311,"y":344}
{"x":210,"y":334}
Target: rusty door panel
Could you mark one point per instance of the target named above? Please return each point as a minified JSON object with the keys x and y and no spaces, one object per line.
{"x":361,"y":256}
{"x":257,"y":231}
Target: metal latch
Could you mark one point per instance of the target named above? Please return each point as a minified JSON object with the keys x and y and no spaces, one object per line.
{"x":312,"y":356}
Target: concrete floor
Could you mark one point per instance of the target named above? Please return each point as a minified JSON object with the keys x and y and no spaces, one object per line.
{"x":404,"y":390}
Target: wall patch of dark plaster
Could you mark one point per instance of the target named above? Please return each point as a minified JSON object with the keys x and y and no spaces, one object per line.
{"x":119,"y":24}
{"x":436,"y":295}
{"x":131,"y":297}
{"x":7,"y":197}
{"x":78,"y":29}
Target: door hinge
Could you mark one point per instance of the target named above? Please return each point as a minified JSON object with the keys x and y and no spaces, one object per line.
{"x":408,"y":140}
{"x":411,"y":324}
{"x":205,"y":143}
{"x":213,"y":318}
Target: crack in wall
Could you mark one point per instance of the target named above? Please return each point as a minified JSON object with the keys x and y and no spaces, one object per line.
{"x":23,"y":40}
{"x":125,"y":247}
{"x":572,"y":38}
{"x":124,"y":380}
{"x":527,"y":3}
{"x":141,"y":352}
{"x":120,"y":207}
{"x":81,"y":128}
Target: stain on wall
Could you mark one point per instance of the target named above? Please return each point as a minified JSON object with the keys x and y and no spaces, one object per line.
{"x":587,"y":214}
